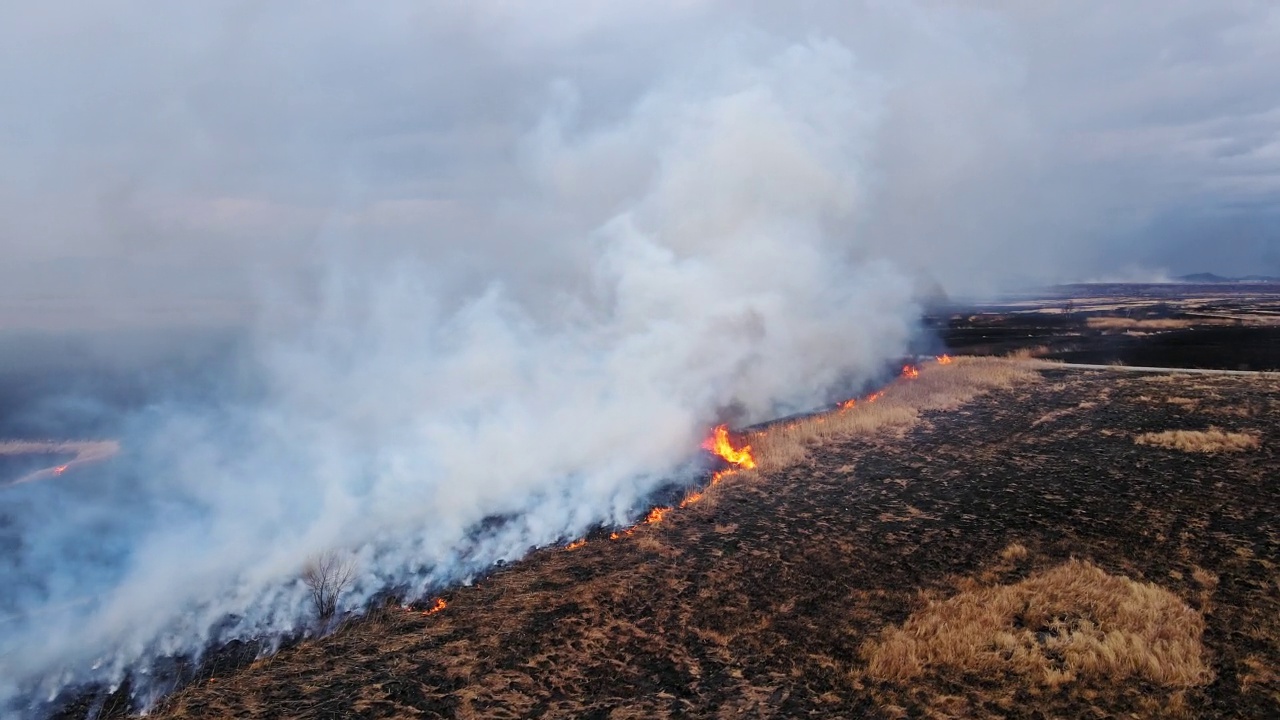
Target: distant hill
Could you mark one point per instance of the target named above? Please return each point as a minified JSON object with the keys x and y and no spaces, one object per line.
{"x":1212,"y":278}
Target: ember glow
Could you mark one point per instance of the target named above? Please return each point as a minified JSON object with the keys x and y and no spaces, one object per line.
{"x":719,"y":444}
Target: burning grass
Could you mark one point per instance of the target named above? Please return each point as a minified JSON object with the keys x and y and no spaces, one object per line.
{"x":1212,"y":440}
{"x":80,"y":452}
{"x":771,"y":596}
{"x":935,"y":386}
{"x":1072,"y":622}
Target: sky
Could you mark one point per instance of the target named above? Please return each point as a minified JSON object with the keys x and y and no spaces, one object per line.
{"x":180,"y":164}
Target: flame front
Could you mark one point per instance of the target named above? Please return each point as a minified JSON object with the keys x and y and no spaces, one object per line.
{"x":719,"y":444}
{"x":944,"y":359}
{"x":655,"y":515}
{"x":437,"y":607}
{"x":575,"y":544}
{"x":910,"y":372}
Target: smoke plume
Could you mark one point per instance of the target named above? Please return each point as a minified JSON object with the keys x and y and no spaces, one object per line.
{"x":394,"y":423}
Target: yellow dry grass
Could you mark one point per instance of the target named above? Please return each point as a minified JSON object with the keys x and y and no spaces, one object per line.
{"x":1028,"y":353}
{"x":1119,"y":323}
{"x":1072,"y":622}
{"x":1212,"y":440}
{"x":1014,"y":552}
{"x":938,"y":387}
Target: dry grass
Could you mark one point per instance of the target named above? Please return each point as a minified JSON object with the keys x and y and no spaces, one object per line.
{"x":1029,"y":353}
{"x":1014,"y":552}
{"x":1118,"y":323}
{"x":1212,"y":440}
{"x":1070,"y":623}
{"x":938,"y":387}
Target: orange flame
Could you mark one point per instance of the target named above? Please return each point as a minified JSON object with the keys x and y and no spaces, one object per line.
{"x":719,"y":444}
{"x":849,"y":404}
{"x":690,"y":499}
{"x":875,"y":396}
{"x":439,"y":605}
{"x":945,"y":360}
{"x":655,"y":515}
{"x":910,"y":372}
{"x":575,"y":544}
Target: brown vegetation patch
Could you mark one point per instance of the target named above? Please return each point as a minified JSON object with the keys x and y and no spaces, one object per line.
{"x":1212,"y":440}
{"x":1072,"y":622}
{"x":898,"y":407}
{"x":1119,"y":323}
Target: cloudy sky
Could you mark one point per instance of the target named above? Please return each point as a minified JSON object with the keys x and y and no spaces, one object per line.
{"x":177,"y":163}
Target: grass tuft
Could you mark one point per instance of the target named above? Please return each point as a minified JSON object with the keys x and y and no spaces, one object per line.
{"x":1212,"y":440}
{"x":1072,"y":622}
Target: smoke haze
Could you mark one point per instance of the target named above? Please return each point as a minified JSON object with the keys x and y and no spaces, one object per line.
{"x":474,"y":261}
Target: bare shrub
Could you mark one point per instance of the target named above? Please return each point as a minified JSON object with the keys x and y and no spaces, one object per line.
{"x":1071,"y":622}
{"x":327,"y":576}
{"x":1212,"y":440}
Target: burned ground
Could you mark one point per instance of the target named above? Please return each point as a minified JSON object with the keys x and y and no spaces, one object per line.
{"x":769,"y":598}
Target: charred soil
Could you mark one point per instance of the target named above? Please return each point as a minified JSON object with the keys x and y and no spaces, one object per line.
{"x":775,"y":598}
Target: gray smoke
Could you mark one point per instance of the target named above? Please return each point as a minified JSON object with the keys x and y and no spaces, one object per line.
{"x":392,"y":420}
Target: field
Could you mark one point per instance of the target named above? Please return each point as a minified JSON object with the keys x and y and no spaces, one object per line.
{"x":1224,"y":326}
{"x":1051,"y":548}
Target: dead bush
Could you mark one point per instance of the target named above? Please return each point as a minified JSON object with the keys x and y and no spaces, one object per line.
{"x":327,"y":576}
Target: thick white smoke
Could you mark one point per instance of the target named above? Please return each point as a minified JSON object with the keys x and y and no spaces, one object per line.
{"x":394,"y":417}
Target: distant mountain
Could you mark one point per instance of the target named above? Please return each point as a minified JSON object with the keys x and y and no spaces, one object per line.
{"x":1212,"y":278}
